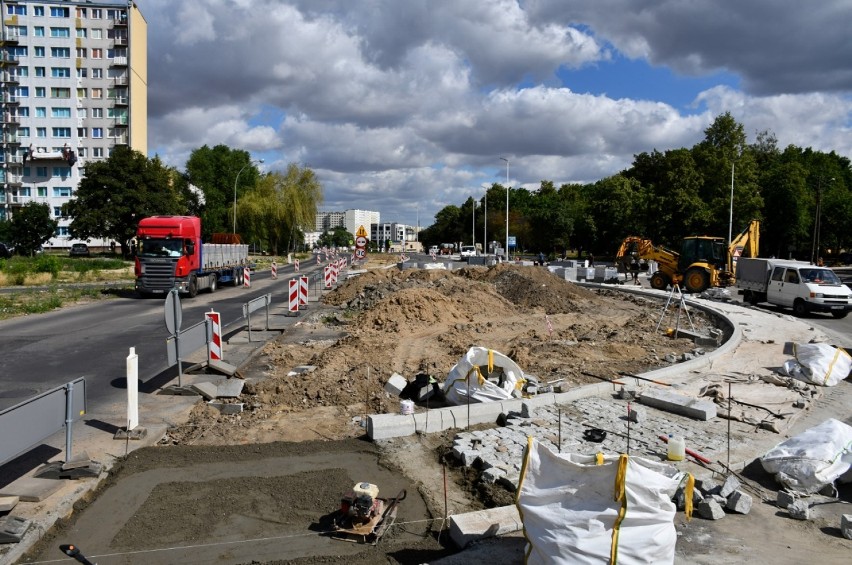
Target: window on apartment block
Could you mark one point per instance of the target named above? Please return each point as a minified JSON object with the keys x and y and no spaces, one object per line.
{"x":82,"y":113}
{"x":62,"y":172}
{"x":62,"y":132}
{"x":21,"y":72}
{"x":97,"y":152}
{"x":57,"y":211}
{"x":60,"y":72}
{"x":97,"y":53}
{"x":23,"y":112}
{"x":39,"y":72}
{"x":97,"y":73}
{"x":41,"y":92}
{"x":97,"y":93}
{"x":61,"y":231}
{"x":19,"y":30}
{"x":97,"y":14}
{"x":24,"y":132}
{"x":60,"y":112}
{"x":38,"y":51}
{"x":60,"y":12}
{"x":81,"y":12}
{"x":15,"y":10}
{"x":41,"y":172}
{"x":81,"y":133}
{"x":82,"y":152}
{"x":60,"y":52}
{"x":38,"y":31}
{"x":117,"y":53}
{"x":82,"y":72}
{"x":60,"y":92}
{"x":21,"y":92}
{"x":41,"y":112}
{"x":38,"y":11}
{"x":81,"y":52}
{"x":97,"y":112}
{"x":19,"y":51}
{"x":97,"y":133}
{"x":82,"y":93}
{"x":41,"y":132}
{"x":41,"y":191}
{"x":60,"y":32}
{"x":97,"y":33}
{"x":62,"y":191}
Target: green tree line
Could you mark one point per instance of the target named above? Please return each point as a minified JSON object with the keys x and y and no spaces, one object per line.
{"x":803,"y":198}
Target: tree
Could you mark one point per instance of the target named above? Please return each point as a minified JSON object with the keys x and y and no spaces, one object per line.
{"x":281,"y":207}
{"x":116,"y":193}
{"x":338,"y":237}
{"x":216,"y":171}
{"x":31,"y":227}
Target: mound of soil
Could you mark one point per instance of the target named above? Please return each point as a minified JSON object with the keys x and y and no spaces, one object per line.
{"x":422,"y":321}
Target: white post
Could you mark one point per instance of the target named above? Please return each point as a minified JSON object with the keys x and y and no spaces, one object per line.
{"x":132,"y":389}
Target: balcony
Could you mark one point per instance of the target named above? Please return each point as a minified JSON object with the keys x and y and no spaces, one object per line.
{"x":19,"y":200}
{"x":120,"y":20}
{"x":120,"y":100}
{"x":8,"y":98}
{"x":9,"y":78}
{"x":11,"y":119}
{"x":120,"y":140}
{"x":13,"y":180}
{"x":119,"y":81}
{"x":9,"y":138}
{"x":8,"y":58}
{"x":119,"y":61}
{"x":119,"y":42}
{"x":120,"y":121}
{"x":11,"y":35}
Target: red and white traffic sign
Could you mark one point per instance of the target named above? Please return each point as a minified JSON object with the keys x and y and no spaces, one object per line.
{"x":214,"y":347}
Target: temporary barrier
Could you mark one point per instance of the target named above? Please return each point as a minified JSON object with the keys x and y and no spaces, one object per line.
{"x":303,"y":291}
{"x":247,"y":277}
{"x":335,"y":271}
{"x":296,"y":265}
{"x":293,"y":302}
{"x":329,"y":279}
{"x":318,"y":260}
{"x":214,"y":346}
{"x":274,"y":270}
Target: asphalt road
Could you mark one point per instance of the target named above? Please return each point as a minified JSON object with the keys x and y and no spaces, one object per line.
{"x":44,"y":351}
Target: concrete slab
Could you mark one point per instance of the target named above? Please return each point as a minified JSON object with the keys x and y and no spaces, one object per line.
{"x":473,"y":526}
{"x":678,"y":404}
{"x":30,"y":489}
{"x":222,"y":367}
{"x":207,"y":390}
{"x":8,"y":502}
{"x":230,"y":388}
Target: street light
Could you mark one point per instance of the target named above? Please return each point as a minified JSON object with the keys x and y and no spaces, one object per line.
{"x":817,"y":226}
{"x":507,"y":206}
{"x":486,"y":186}
{"x":473,"y":223}
{"x":235,"y":189}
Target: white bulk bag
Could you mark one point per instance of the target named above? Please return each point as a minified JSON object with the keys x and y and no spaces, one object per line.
{"x":464,"y":377}
{"x":819,"y":363}
{"x":571,"y":515}
{"x":816,"y":457}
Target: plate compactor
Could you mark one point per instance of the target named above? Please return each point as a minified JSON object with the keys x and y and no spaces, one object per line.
{"x":363,"y":516}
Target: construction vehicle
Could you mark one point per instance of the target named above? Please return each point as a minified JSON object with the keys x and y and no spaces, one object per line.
{"x":363,"y":516}
{"x":703,"y":261}
{"x":170,"y":255}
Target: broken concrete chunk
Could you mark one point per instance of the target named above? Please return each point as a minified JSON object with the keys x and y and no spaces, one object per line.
{"x":710,"y":510}
{"x":784,"y":499}
{"x":627,"y":392}
{"x":208,"y":391}
{"x":846,"y":526}
{"x":395,"y":385}
{"x":527,"y":410}
{"x":731,"y":484}
{"x":739,"y":502}
{"x":799,"y":510}
{"x":636,"y":415}
{"x":7,"y":503}
{"x":708,"y":486}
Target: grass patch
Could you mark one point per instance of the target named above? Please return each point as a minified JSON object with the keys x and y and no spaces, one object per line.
{"x":40,"y":301}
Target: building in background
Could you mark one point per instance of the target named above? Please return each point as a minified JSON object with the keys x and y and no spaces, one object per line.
{"x":393,"y":233}
{"x":73,"y":86}
{"x":350,"y":219}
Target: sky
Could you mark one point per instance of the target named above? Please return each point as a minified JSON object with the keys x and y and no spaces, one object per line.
{"x":407,"y":106}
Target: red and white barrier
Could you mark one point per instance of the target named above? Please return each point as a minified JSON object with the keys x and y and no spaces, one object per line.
{"x":293,"y":302}
{"x":327,"y":276}
{"x":214,"y":347}
{"x":318,"y":261}
{"x":296,"y":265}
{"x":274,"y":270}
{"x":247,"y":277}
{"x":303,"y":291}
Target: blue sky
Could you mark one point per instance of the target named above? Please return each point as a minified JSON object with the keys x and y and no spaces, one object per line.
{"x":406,"y":106}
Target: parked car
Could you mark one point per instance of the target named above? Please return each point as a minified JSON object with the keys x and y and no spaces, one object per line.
{"x":80,"y":250}
{"x":6,"y":250}
{"x":468,"y":251}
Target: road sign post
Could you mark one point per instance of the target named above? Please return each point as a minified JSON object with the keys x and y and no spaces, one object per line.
{"x":174,"y":317}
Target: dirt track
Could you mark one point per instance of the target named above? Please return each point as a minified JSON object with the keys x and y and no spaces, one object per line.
{"x":262,"y":476}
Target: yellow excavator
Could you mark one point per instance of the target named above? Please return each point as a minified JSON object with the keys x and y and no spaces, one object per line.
{"x":703,"y":261}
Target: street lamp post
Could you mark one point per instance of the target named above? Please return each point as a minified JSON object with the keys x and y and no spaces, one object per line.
{"x":235,"y":189}
{"x":507,"y":206}
{"x":817,"y":220}
{"x":473,"y":223}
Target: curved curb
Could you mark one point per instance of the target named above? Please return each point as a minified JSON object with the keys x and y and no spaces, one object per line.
{"x":387,"y":426}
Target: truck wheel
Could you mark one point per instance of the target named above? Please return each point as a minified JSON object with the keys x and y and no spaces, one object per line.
{"x":659,"y":281}
{"x":799,"y":307}
{"x":193,"y":287}
{"x":238,"y":278}
{"x":839,"y":314}
{"x":696,"y":280}
{"x":214,"y":283}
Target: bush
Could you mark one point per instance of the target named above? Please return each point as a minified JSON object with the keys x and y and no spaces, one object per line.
{"x":47,"y":264}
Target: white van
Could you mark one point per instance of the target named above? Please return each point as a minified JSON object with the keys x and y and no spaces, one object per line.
{"x":467,"y":251}
{"x":793,"y":284}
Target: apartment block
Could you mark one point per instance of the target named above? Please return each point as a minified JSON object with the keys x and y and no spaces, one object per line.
{"x":350,"y":219}
{"x":73,"y":86}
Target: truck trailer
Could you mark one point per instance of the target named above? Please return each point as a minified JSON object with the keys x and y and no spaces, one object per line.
{"x":170,"y":255}
{"x":793,"y":284}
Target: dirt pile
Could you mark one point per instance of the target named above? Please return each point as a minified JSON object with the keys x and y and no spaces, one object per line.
{"x":389,"y":321}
